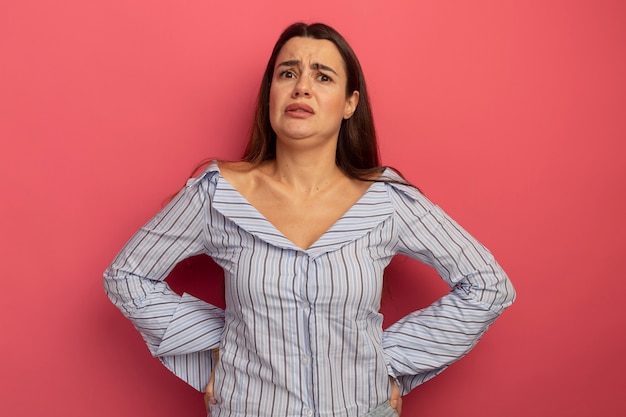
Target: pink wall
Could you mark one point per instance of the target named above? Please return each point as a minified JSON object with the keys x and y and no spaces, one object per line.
{"x":509,"y":114}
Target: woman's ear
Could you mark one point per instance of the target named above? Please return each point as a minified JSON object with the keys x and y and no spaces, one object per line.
{"x":351,"y":103}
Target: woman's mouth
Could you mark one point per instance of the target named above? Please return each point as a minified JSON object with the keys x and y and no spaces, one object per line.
{"x":299,"y":110}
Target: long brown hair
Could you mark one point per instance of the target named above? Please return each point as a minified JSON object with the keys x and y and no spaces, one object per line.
{"x":357,"y":149}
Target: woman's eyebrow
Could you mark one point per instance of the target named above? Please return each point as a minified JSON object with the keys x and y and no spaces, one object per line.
{"x":315,"y":65}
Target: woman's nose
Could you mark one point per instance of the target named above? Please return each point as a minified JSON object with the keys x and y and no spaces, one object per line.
{"x":302,"y":88}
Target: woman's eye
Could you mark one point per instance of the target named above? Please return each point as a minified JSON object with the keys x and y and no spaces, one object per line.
{"x":287,"y":74}
{"x":324,"y":78}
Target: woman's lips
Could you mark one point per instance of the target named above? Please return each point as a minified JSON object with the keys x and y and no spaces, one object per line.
{"x":299,"y":110}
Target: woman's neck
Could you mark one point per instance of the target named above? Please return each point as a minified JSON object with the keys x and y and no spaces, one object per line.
{"x":305,"y":171}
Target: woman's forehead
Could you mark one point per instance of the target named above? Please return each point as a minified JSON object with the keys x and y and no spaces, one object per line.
{"x":308,"y":51}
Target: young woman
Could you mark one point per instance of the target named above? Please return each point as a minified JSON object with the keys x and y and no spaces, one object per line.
{"x":304,"y":226}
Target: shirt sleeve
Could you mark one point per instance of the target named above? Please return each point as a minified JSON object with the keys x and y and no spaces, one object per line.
{"x":180,"y":330}
{"x":424,"y":343}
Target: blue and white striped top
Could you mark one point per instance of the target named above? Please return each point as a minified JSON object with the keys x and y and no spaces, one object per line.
{"x":302,"y":334}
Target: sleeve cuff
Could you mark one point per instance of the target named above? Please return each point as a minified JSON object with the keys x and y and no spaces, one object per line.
{"x":195,"y":326}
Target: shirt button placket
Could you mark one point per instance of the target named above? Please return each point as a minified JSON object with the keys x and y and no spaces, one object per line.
{"x":305,"y":314}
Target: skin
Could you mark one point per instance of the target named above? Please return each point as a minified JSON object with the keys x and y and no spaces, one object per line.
{"x":302,"y":192}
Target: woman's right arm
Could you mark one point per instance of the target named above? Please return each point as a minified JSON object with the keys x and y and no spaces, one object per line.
{"x":180,"y":330}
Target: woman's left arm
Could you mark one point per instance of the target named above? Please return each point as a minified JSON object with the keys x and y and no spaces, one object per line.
{"x":427,"y":341}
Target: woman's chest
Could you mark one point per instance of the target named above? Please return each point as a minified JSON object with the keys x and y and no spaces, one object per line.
{"x":303,"y":220}
{"x":268,"y":278}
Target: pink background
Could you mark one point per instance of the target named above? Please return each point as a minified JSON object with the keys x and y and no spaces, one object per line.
{"x":509,"y":114}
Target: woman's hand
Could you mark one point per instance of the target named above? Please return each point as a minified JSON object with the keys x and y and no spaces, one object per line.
{"x":208,"y":392}
{"x":395,"y":400}
{"x":209,"y":398}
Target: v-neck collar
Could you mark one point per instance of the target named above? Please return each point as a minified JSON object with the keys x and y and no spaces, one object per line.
{"x":371,"y":209}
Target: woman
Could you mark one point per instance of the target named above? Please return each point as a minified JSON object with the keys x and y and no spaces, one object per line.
{"x":303,"y":227}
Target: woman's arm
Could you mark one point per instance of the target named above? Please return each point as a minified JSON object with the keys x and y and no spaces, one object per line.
{"x":179,"y":330}
{"x":425,"y":342}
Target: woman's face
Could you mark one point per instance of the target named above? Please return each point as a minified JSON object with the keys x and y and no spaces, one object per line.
{"x":308,"y":91}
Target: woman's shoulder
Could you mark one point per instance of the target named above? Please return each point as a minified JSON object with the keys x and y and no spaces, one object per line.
{"x":403,"y":194}
{"x":205,"y":172}
{"x":397,"y":182}
{"x":238,"y":173}
{"x":215,"y":168}
{"x":235,"y":167}
{"x":245,"y":177}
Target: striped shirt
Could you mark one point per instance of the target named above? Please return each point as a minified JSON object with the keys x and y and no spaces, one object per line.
{"x":302,"y":333}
